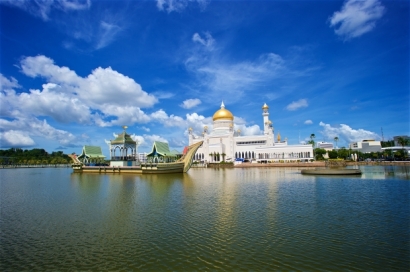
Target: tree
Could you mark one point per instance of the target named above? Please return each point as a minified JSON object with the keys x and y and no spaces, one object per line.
{"x":312,"y":136}
{"x":319,"y":152}
{"x":343,"y":153}
{"x":332,"y":154}
{"x":336,"y":140}
{"x":403,"y":142}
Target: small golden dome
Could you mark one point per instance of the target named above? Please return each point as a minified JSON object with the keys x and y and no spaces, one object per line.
{"x":222,"y":113}
{"x":265,"y":107}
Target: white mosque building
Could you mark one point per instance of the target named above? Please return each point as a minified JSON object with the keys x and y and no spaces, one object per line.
{"x":223,"y":143}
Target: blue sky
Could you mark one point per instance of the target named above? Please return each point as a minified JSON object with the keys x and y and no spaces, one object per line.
{"x":74,"y":72}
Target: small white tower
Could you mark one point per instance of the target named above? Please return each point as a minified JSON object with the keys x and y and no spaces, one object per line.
{"x":265,"y":114}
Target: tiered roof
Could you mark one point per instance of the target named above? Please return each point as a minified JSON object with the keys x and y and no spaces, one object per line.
{"x":123,"y":138}
{"x":93,"y":152}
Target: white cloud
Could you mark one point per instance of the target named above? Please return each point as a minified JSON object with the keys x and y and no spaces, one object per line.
{"x":346,"y":133}
{"x":33,"y":128}
{"x":108,"y":31}
{"x":308,"y":122}
{"x":43,"y":9}
{"x":6,"y":83}
{"x":44,"y":67}
{"x":15,"y":138}
{"x":48,"y":102}
{"x":97,"y":31}
{"x":197,"y":123}
{"x":249,"y":130}
{"x":146,"y":141}
{"x":208,"y":41}
{"x":190,"y":103}
{"x":102,"y":86}
{"x":178,"y":5}
{"x":356,"y":18}
{"x":295,"y":105}
{"x":105,"y":98}
{"x":233,"y":79}
{"x":124,"y":115}
{"x":106,"y":86}
{"x":75,"y":4}
{"x":168,"y":121}
{"x":68,"y":97}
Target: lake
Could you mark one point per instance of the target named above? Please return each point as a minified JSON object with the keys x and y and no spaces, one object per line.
{"x":207,"y":219}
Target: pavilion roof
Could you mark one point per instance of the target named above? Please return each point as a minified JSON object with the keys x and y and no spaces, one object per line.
{"x":123,"y":138}
{"x":161,"y":149}
{"x":91,"y":152}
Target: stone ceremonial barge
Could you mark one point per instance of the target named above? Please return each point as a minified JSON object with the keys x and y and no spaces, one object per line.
{"x":160,"y":161}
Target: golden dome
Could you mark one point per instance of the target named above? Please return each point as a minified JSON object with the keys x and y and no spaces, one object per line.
{"x":222,"y":113}
{"x":265,"y":107}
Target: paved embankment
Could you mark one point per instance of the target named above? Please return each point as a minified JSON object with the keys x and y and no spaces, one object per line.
{"x":317,"y":164}
{"x":284,"y":164}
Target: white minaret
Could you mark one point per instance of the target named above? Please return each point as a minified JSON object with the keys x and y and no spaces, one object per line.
{"x":265,"y":115}
{"x":267,"y":126}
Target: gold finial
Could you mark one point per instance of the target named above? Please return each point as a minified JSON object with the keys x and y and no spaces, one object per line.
{"x":278,"y":137}
{"x":124,"y":127}
{"x":265,"y":107}
{"x":190,"y":129}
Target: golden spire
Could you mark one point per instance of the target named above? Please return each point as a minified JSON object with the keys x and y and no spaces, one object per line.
{"x":278,"y":136}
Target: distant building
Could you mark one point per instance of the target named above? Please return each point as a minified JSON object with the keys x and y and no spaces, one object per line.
{"x":326,"y":146}
{"x":142,"y":157}
{"x":366,"y":146}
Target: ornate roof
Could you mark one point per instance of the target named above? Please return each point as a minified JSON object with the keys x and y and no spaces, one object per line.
{"x":222,"y":114}
{"x":161,"y":149}
{"x":123,"y":138}
{"x":91,"y":152}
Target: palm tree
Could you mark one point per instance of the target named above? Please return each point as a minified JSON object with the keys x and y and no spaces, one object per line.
{"x":311,"y":141}
{"x":403,"y":142}
{"x":336,"y":140}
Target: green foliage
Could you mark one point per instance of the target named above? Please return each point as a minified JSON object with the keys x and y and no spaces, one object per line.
{"x":332,"y":154}
{"x":34,"y":156}
{"x":387,"y":143}
{"x":224,"y":162}
{"x":403,"y":141}
{"x":343,"y":153}
{"x":319,"y":152}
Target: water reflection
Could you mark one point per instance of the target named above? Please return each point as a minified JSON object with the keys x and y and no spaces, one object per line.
{"x":228,"y":219}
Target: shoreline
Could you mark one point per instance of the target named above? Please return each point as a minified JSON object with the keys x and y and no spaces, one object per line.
{"x":318,"y":164}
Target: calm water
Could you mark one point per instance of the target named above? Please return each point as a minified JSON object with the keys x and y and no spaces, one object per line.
{"x":207,"y":219}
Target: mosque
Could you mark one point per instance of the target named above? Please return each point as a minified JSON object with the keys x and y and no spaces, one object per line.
{"x":223,"y":143}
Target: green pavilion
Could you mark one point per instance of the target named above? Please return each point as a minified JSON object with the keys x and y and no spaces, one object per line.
{"x":91,"y":155}
{"x":123,"y":150}
{"x":161,"y":153}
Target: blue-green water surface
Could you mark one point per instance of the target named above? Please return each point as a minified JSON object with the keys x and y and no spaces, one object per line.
{"x":257,"y":219}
